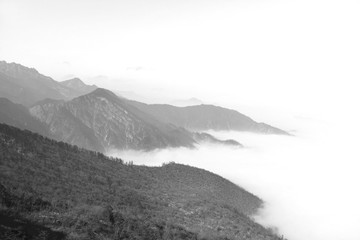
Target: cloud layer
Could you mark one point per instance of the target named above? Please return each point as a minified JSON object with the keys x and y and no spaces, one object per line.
{"x":309,"y":182}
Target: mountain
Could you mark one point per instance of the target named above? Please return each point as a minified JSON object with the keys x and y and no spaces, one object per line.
{"x":19,"y":116}
{"x":202,"y":137}
{"x":110,"y":129}
{"x":79,"y":86}
{"x":52,"y":190}
{"x":206,"y":117}
{"x":102,"y":121}
{"x":186,"y":102}
{"x":26,"y":86}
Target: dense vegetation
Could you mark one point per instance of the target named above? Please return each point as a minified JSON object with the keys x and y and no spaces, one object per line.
{"x":53,"y":190}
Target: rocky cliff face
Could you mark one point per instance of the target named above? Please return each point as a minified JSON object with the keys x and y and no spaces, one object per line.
{"x":63,"y":126}
{"x":101,"y":121}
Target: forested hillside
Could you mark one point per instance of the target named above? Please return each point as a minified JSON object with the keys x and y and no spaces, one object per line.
{"x":53,"y":190}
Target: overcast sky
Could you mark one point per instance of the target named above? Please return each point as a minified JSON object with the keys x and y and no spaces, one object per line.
{"x":294,"y":54}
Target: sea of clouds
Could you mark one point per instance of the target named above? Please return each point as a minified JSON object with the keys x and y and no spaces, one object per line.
{"x":309,"y":182}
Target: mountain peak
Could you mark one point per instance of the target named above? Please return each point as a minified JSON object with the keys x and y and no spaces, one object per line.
{"x":78,"y":85}
{"x":74,"y":81}
{"x":102,"y":92}
{"x":9,"y":67}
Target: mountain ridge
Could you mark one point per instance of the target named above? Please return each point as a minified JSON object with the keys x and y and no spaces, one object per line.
{"x":206,"y":117}
{"x":100,"y":120}
{"x":26,"y":86}
{"x":78,"y":85}
{"x":114,"y":123}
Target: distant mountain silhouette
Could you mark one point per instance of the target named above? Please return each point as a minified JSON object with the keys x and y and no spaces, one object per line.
{"x":27,"y":86}
{"x":186,"y":102}
{"x":206,"y":117}
{"x":79,"y":86}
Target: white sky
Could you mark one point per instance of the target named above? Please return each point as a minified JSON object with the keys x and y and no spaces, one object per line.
{"x":295,"y":54}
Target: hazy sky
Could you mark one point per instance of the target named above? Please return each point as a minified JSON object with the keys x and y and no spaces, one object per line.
{"x":295,"y":54}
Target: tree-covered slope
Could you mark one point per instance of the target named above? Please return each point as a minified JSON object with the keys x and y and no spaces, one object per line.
{"x":68,"y":192}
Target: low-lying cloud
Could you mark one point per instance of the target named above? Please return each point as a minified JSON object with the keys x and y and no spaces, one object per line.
{"x":309,"y":182}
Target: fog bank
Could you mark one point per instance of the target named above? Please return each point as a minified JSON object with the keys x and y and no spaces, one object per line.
{"x":309,"y":182}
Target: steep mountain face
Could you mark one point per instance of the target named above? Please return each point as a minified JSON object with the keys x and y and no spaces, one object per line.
{"x":19,"y":116}
{"x":64,"y":126}
{"x":26,"y":86}
{"x":64,"y":192}
{"x":205,"y":117}
{"x":79,"y":86}
{"x":102,"y":121}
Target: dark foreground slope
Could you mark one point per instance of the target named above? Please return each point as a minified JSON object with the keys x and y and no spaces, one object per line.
{"x":206,"y":117}
{"x":52,"y":190}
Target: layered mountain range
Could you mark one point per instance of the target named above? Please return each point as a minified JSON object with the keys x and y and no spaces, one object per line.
{"x":101,"y":120}
{"x":97,"y":119}
{"x":27,"y":86}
